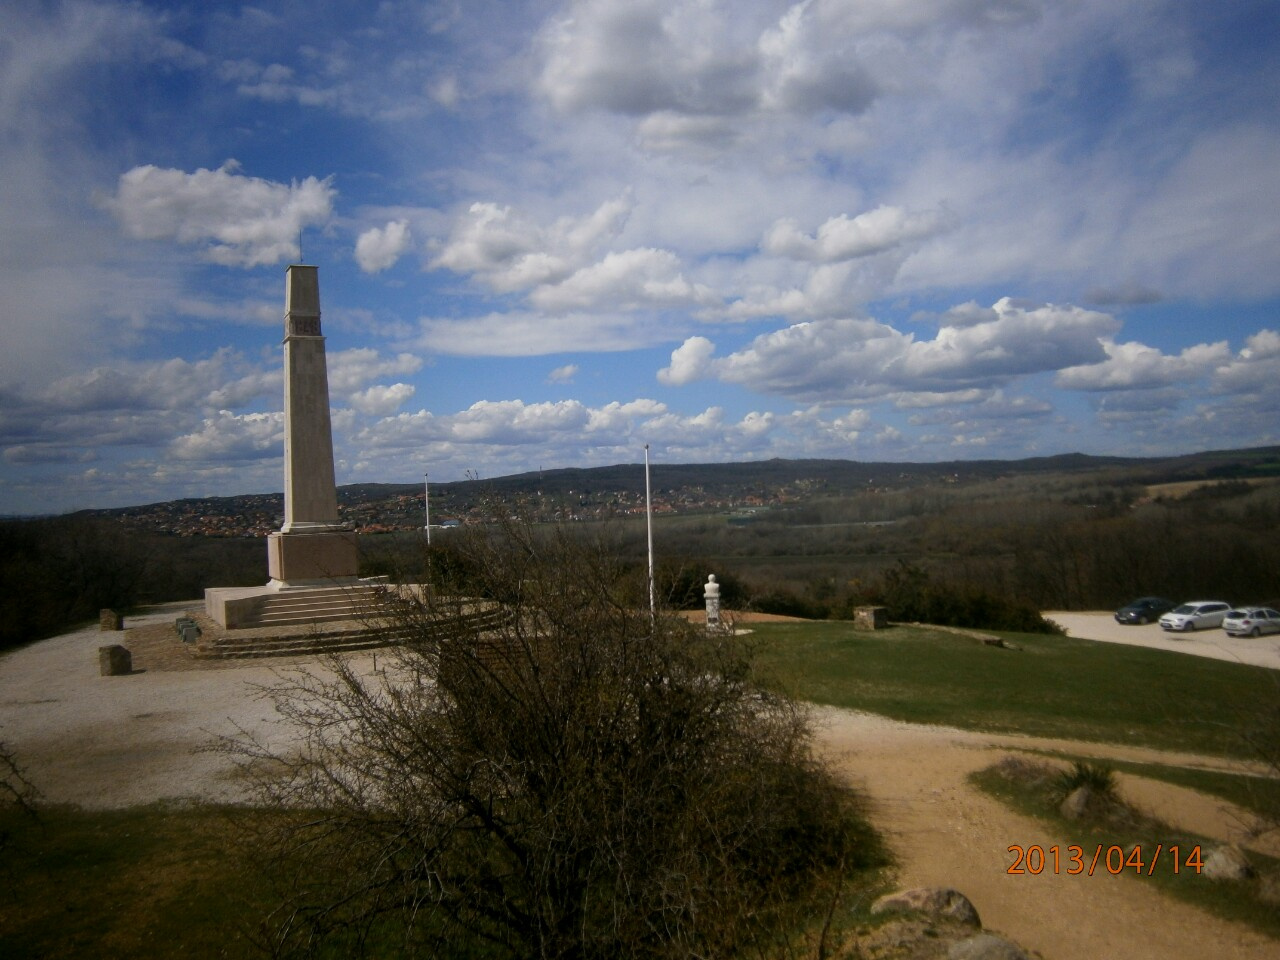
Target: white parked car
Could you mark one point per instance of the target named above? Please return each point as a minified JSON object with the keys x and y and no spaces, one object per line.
{"x":1251,"y":621}
{"x":1195,"y":615}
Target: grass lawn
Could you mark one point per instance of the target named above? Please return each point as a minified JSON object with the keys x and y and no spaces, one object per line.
{"x":151,"y":881}
{"x":1255,"y":794}
{"x":1051,"y":686}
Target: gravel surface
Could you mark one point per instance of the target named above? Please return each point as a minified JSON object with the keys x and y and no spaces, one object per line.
{"x":116,"y":741}
{"x":1261,"y":652}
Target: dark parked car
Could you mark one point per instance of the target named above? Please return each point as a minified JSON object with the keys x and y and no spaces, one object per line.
{"x":1143,"y":610}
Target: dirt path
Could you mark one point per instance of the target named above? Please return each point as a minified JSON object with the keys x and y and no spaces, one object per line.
{"x":946,"y":833}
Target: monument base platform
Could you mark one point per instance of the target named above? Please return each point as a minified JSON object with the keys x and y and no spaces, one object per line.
{"x":312,"y":559}
{"x":279,"y":605}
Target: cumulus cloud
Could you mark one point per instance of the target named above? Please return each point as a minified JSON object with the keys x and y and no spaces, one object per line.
{"x":845,"y":238}
{"x":1255,"y":369}
{"x":641,"y":56}
{"x":508,"y":251}
{"x":238,"y":220}
{"x":689,"y":361}
{"x":378,"y":248}
{"x":379,"y":401}
{"x":839,"y":359}
{"x":349,"y":370}
{"x":164,"y":385}
{"x":629,"y":280}
{"x":694,"y":71}
{"x":515,"y":432}
{"x":229,"y":436}
{"x":1135,"y":366}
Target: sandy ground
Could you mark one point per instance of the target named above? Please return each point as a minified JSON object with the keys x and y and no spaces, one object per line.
{"x":115,"y":741}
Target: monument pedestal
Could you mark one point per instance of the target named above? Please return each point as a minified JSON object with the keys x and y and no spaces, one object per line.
{"x":312,"y":559}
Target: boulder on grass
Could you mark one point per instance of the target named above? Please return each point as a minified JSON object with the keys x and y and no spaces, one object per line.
{"x":940,"y":902}
{"x":1226,"y":863}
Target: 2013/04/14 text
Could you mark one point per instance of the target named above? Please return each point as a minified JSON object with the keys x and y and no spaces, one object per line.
{"x":1073,"y":860}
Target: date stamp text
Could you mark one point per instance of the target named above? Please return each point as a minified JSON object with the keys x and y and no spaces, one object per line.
{"x":1075,"y":860}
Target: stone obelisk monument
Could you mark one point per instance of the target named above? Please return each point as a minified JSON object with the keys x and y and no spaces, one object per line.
{"x":312,"y":547}
{"x":313,"y":559}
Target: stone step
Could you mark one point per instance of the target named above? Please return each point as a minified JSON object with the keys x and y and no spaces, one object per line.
{"x":297,"y":646}
{"x":290,"y":608}
{"x":480,"y":622}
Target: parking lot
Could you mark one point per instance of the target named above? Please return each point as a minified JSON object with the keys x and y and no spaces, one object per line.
{"x":1101,"y":625}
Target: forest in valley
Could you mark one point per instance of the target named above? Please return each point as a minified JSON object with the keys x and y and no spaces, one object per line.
{"x":986,"y":545}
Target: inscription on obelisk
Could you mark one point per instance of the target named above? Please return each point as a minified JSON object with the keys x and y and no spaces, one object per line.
{"x":311,"y":546}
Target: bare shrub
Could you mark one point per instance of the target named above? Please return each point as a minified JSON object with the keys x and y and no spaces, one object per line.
{"x":547,"y":770}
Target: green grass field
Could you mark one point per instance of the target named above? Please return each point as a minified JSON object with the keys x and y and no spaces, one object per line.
{"x":1051,"y":686}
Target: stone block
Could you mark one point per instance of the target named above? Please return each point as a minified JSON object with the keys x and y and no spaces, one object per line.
{"x":870,"y":618}
{"x":109,"y":620}
{"x":114,"y":661}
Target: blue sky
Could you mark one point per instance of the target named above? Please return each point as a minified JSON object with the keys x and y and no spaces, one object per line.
{"x":551,"y":232}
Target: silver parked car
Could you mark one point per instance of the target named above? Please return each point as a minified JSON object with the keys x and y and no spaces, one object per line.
{"x":1195,"y":615}
{"x":1251,"y":621}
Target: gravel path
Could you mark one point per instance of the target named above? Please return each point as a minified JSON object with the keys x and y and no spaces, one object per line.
{"x":1261,"y":652}
{"x":946,"y":833}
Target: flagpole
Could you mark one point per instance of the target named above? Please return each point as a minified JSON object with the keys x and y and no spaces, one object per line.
{"x":426,"y":499}
{"x":648,"y":513}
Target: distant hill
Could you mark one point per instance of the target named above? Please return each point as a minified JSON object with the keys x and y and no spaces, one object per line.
{"x":720,"y":480}
{"x":842,"y":475}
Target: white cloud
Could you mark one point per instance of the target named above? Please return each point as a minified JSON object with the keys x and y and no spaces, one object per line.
{"x":379,"y":401}
{"x":842,"y":238}
{"x":630,"y":280}
{"x":563,"y":374}
{"x":1135,"y":366}
{"x":378,"y":248}
{"x":349,"y":370}
{"x":508,"y":251}
{"x":524,"y":334}
{"x":830,"y":361}
{"x":228,"y":436}
{"x":641,"y":56}
{"x":240,"y":221}
{"x":165,"y":385}
{"x":689,"y":361}
{"x":1255,"y":369}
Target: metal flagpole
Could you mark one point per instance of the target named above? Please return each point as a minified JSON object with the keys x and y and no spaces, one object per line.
{"x":648,"y":513}
{"x":426,"y":499}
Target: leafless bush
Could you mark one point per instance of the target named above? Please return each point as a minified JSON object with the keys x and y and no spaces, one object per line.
{"x":547,"y":770}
